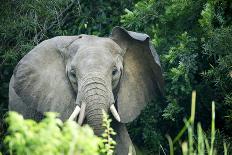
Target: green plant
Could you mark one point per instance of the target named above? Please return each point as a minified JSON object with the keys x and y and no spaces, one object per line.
{"x":107,"y":140}
{"x":52,"y":136}
{"x":199,"y":143}
{"x":193,"y":39}
{"x":146,"y":131}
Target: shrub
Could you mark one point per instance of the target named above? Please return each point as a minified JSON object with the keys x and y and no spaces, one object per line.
{"x":53,"y":137}
{"x":193,"y":39}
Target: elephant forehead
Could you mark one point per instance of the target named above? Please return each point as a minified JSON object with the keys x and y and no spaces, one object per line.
{"x":93,"y":58}
{"x":85,"y":41}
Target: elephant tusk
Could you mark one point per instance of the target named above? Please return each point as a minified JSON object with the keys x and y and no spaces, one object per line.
{"x":75,"y":113}
{"x":82,"y":113}
{"x":115,"y":113}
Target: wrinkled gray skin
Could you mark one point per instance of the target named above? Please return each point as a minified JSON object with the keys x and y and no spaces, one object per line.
{"x":66,"y":71}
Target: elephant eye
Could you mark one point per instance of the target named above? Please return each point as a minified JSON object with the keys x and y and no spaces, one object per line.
{"x":114,"y":72}
{"x":73,"y":73}
{"x":115,"y":77}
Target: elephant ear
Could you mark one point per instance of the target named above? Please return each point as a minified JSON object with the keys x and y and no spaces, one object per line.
{"x":142,"y":76}
{"x":40,"y":78}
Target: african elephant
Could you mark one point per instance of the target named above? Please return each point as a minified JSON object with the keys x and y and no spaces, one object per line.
{"x":81,"y":75}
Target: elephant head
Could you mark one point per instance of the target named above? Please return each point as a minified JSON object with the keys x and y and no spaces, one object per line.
{"x":81,"y":75}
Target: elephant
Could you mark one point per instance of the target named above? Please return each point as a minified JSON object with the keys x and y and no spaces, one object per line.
{"x":79,"y":76}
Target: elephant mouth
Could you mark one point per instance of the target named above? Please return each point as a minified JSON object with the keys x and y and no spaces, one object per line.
{"x":93,"y":98}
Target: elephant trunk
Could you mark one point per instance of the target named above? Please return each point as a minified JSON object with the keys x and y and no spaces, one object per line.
{"x":94,"y":114}
{"x":93,"y":98}
{"x":97,"y":98}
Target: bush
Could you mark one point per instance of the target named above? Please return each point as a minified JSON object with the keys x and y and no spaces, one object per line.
{"x":50,"y":136}
{"x":193,"y":39}
{"x":53,"y":137}
{"x":146,"y":131}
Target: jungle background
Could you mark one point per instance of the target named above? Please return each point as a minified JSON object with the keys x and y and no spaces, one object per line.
{"x":192,"y":37}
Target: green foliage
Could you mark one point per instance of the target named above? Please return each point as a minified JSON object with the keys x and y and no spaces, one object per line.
{"x":172,"y":111}
{"x":145,"y":130}
{"x":193,"y":39}
{"x":50,"y":136}
{"x":199,"y":143}
{"x":53,"y":136}
{"x":108,"y":142}
{"x":207,"y":17}
{"x":182,"y":64}
{"x":218,"y":48}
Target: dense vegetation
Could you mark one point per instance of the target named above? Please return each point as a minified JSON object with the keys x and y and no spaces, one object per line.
{"x":27,"y":137}
{"x":192,"y":37}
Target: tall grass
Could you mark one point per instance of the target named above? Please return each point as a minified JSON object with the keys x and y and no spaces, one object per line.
{"x":197,"y":143}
